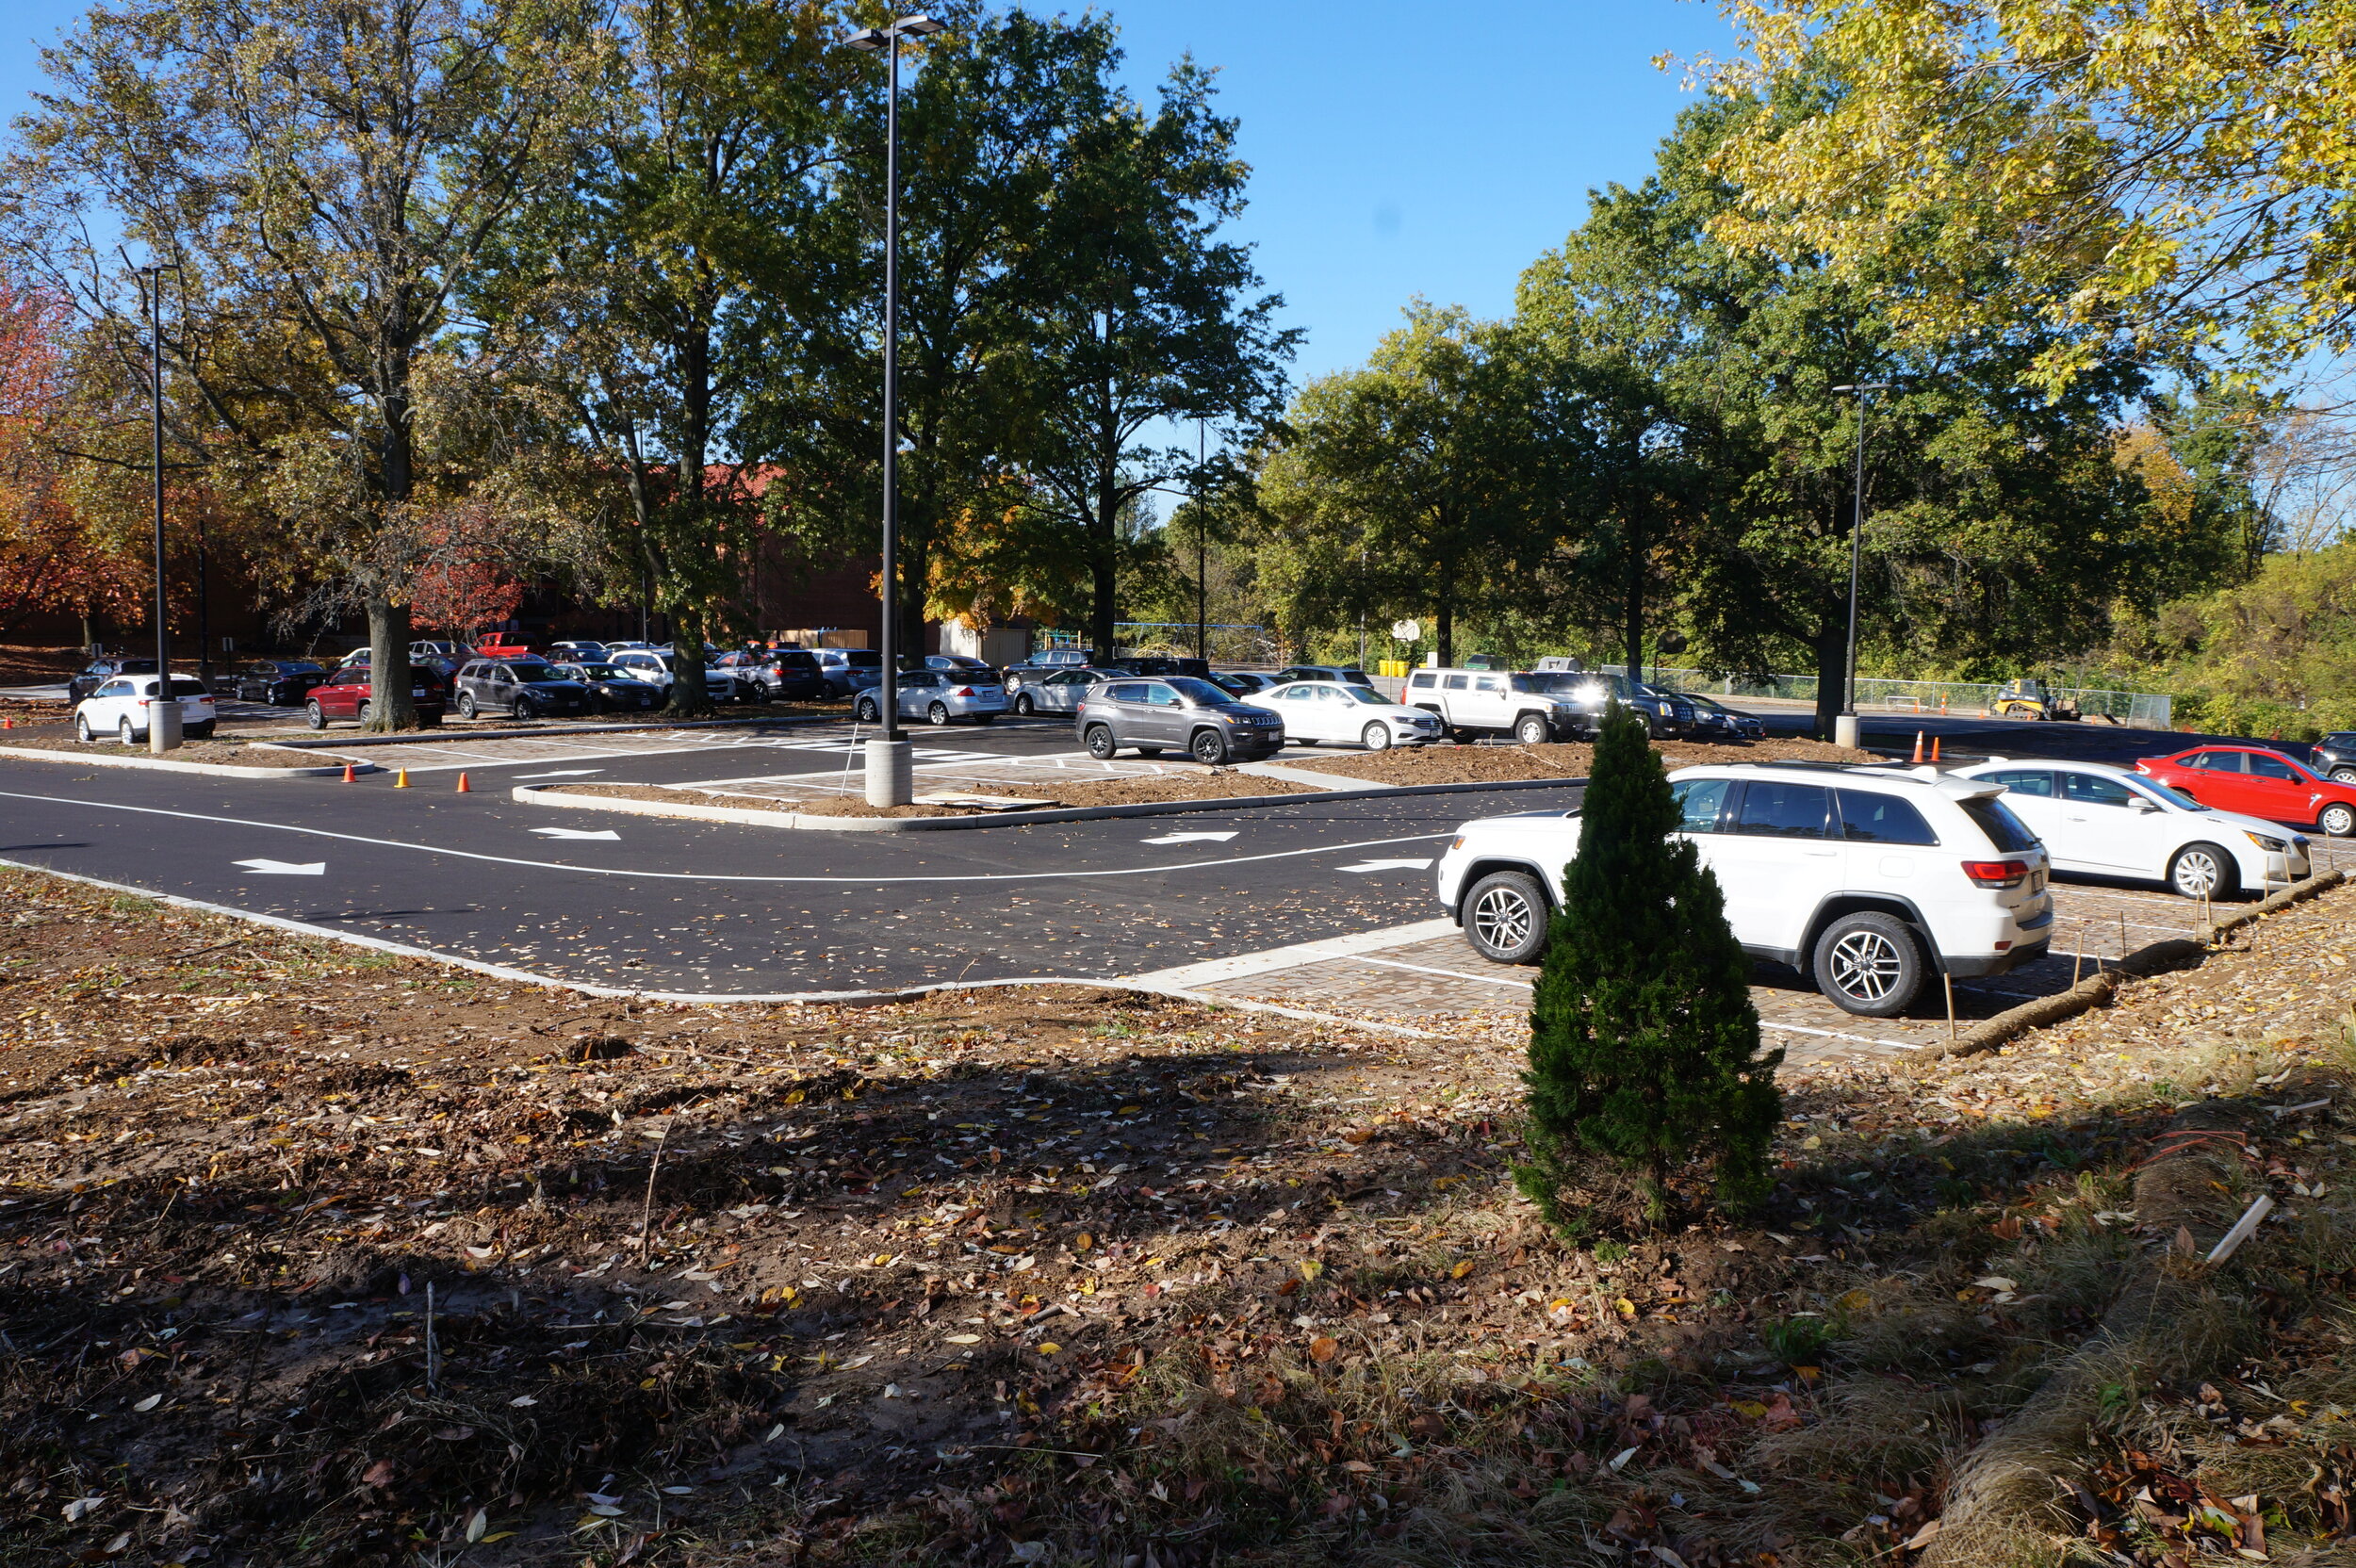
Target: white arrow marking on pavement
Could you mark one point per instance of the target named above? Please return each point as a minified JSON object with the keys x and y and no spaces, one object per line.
{"x":1190,"y":838}
{"x":284,"y":868}
{"x":561,"y":773}
{"x":1389,"y":865}
{"x":579,"y":833}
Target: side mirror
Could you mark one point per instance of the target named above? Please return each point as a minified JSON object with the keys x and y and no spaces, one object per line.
{"x":2146,"y":808}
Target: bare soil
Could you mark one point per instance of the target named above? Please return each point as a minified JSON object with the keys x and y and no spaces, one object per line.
{"x":315,"y":1256}
{"x":1207,"y":784}
{"x":229,"y":749}
{"x":1478,"y":764}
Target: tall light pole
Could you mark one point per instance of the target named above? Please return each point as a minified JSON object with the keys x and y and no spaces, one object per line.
{"x":1845,"y":726}
{"x":889,"y":783}
{"x":1201,"y":547}
{"x":163,"y":714}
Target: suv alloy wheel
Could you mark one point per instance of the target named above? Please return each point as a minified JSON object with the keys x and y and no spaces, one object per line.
{"x":1869,"y":964}
{"x":314,"y":715}
{"x":1209,"y":747}
{"x":82,"y":730}
{"x":1505,"y":915}
{"x":2202,"y":871}
{"x":2343,"y":776}
{"x":525,"y":708}
{"x":465,"y":705}
{"x":1100,"y":742}
{"x":1530,"y":730}
{"x":124,"y":733}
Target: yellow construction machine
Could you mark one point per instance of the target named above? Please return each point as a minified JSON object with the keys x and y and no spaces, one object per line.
{"x":2032,"y":699}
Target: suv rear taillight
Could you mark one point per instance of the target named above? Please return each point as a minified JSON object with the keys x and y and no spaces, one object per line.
{"x":1996,"y":874}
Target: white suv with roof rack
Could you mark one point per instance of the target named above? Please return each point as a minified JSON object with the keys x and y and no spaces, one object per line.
{"x":1870,"y":879}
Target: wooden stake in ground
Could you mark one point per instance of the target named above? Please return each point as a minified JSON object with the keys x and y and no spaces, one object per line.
{"x":646,"y":1214}
{"x":1950,"y":982}
{"x":432,"y":1350}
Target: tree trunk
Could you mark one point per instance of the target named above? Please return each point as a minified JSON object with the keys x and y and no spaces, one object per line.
{"x":1634,"y":616}
{"x":1832,"y":666}
{"x":1105,"y":554}
{"x":388,"y":667}
{"x":1444,"y":613}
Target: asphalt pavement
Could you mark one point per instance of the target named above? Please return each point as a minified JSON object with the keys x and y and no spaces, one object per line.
{"x":729,"y":910}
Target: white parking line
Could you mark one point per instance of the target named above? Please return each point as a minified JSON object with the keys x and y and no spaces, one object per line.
{"x":1211,"y":970}
{"x":1452,"y":973}
{"x":1836,"y":1035}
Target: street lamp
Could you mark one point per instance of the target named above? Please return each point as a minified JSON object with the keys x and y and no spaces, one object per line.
{"x":163,"y":714}
{"x":889,"y":781}
{"x":1845,"y":726}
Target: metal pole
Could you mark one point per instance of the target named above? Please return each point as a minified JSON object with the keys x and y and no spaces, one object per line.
{"x":888,"y":693}
{"x":1201,"y":549}
{"x":1856,"y":546}
{"x":163,"y":714}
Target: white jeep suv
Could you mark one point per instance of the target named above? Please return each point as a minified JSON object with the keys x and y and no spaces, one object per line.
{"x":1870,"y":880}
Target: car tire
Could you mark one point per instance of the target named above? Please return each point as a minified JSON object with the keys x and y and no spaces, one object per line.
{"x":2342,"y":776}
{"x":1099,"y":740}
{"x":124,"y":733}
{"x":1023,"y":706}
{"x":937,"y":715}
{"x":2202,"y":871}
{"x":1531,"y":729}
{"x":368,"y":711}
{"x":1505,"y":917}
{"x":1376,"y":737}
{"x":525,"y":710}
{"x":1209,"y":747}
{"x":2338,"y":820}
{"x":1870,"y":964}
{"x":200,"y":732}
{"x":864,"y":711}
{"x":465,"y":705}
{"x":314,"y":715}
{"x":82,"y":732}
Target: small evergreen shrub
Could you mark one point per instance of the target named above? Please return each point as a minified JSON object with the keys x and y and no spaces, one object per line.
{"x":1643,"y":1045}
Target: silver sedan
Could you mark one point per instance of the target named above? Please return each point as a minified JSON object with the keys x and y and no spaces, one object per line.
{"x":1055,"y":691}
{"x":938,"y":697}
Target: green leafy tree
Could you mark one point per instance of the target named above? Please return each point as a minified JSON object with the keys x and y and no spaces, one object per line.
{"x":1643,"y":1045}
{"x":1145,"y":317}
{"x":2170,"y":172}
{"x":1397,"y":489}
{"x":333,"y":178}
{"x":2000,"y":524}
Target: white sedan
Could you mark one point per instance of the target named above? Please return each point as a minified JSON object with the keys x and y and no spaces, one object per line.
{"x":1344,"y":712}
{"x":119,"y":707}
{"x":2103,"y":821}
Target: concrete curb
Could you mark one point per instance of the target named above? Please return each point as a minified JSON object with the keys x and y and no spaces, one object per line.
{"x":2096,"y":990}
{"x":854,"y":998}
{"x":216,"y":770}
{"x":440,"y":737}
{"x":537,"y":795}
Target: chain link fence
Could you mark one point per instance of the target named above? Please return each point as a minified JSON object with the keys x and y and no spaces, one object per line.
{"x":2140,"y":710}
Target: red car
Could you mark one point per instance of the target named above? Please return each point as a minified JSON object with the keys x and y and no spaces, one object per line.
{"x":2258,"y":783}
{"x":345,"y":695}
{"x":503,"y":644}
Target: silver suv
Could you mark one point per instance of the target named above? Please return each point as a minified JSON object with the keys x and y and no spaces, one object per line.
{"x":1175,"y":714}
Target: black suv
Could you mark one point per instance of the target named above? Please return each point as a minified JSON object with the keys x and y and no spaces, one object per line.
{"x":100,"y":670}
{"x":1178,"y":713}
{"x":2334,"y":755}
{"x":611,"y":691}
{"x":526,"y":688}
{"x":280,"y":682}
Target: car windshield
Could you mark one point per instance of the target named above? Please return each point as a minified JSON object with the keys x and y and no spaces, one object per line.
{"x":1198,"y":690}
{"x":532,"y":669}
{"x":601,"y":672}
{"x":1549,"y":683}
{"x":297,"y":667}
{"x":1371,"y":697}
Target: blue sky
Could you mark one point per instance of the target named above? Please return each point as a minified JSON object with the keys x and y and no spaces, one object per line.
{"x":1397,"y":151}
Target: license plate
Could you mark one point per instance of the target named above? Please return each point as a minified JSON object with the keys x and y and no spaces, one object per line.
{"x":2036,"y":881}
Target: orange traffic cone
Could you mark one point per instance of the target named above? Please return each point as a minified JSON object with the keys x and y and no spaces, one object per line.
{"x":401,"y":780}
{"x":349,"y":777}
{"x":1918,"y":748}
{"x":465,"y":787}
{"x":1933,"y":749}
{"x":1942,"y":702}
{"x":8,"y":724}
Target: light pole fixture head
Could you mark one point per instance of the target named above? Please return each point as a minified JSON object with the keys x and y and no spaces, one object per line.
{"x":1870,"y":386}
{"x":873,"y":38}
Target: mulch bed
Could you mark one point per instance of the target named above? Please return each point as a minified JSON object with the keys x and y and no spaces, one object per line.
{"x":1480,"y":764}
{"x":1200,"y":784}
{"x":297,"y":1232}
